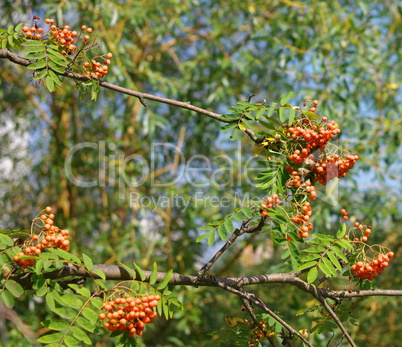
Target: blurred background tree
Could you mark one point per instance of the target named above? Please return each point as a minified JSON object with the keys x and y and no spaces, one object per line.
{"x":211,"y":53}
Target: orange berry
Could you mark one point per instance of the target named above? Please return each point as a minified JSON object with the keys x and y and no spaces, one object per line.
{"x":84,"y":27}
{"x":86,"y":37}
{"x":89,"y":30}
{"x":25,"y":29}
{"x":315,"y":102}
{"x":48,"y":209}
{"x":345,"y":217}
{"x":109,"y":55}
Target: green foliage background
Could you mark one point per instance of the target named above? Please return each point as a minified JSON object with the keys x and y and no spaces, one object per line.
{"x":213,"y":53}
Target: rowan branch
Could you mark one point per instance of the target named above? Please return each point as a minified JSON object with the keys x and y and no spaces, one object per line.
{"x":6,"y":54}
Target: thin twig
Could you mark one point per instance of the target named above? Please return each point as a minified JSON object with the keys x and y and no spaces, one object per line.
{"x":253,"y":298}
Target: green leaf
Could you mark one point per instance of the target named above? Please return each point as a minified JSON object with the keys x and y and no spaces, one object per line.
{"x":10,"y":29}
{"x":87,"y":261}
{"x":229,"y":226}
{"x":18,"y":27}
{"x":15,"y":288}
{"x":7,"y":298}
{"x":34,"y":50}
{"x":49,"y":83}
{"x":318,"y":249}
{"x":50,"y":338}
{"x":41,"y":291}
{"x":286,"y":98}
{"x":292,"y":114}
{"x":40,"y":75}
{"x":230,"y":116}
{"x":271,"y":110}
{"x":312,"y":275}
{"x":99,"y":273}
{"x":228,"y":127}
{"x":154,"y":274}
{"x":97,"y":302}
{"x":129,"y":270}
{"x":285,"y":254}
{"x":329,"y":265}
{"x":95,"y":90}
{"x":71,"y":301}
{"x":57,"y":61}
{"x":85,"y":324}
{"x":56,"y":54}
{"x":140,"y":272}
{"x":65,"y":312}
{"x":325,"y":270}
{"x":55,"y":67}
{"x":33,"y":43}
{"x":40,"y":64}
{"x":211,"y":238}
{"x":36,"y":55}
{"x":344,"y":244}
{"x":165,"y":280}
{"x":247,"y":212}
{"x":282,"y":114}
{"x":71,"y":341}
{"x":307,"y":265}
{"x":339,"y":253}
{"x":201,"y":237}
{"x":260,"y":113}
{"x":50,"y":300}
{"x":238,"y":216}
{"x":55,"y":78}
{"x":81,"y":335}
{"x":341,"y":232}
{"x":56,"y":324}
{"x":236,"y":134}
{"x":334,"y":260}
{"x":7,"y":240}
{"x":310,"y":257}
{"x":90,"y":315}
{"x":222,"y":232}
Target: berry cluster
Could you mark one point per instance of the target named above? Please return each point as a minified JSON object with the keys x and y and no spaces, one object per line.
{"x":366,"y":233}
{"x":345,"y":214}
{"x":298,"y":181}
{"x":314,"y":137}
{"x":333,"y":167}
{"x":270,"y":202}
{"x":96,"y":67}
{"x":129,"y":314}
{"x":369,"y":270}
{"x":309,"y":136}
{"x":50,"y":236}
{"x":65,"y":38}
{"x":303,"y":219}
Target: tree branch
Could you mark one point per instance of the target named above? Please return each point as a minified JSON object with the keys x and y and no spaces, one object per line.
{"x":6,"y":54}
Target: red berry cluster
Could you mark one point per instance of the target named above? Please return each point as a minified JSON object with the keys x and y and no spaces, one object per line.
{"x":50,"y":236}
{"x":96,"y":67}
{"x":369,"y":270}
{"x":303,"y":218}
{"x":345,"y":214}
{"x":35,"y":32}
{"x":65,"y":38}
{"x":331,"y":167}
{"x":299,"y":181}
{"x":366,"y":233}
{"x":314,"y":136}
{"x":129,"y":314}
{"x":270,"y":202}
